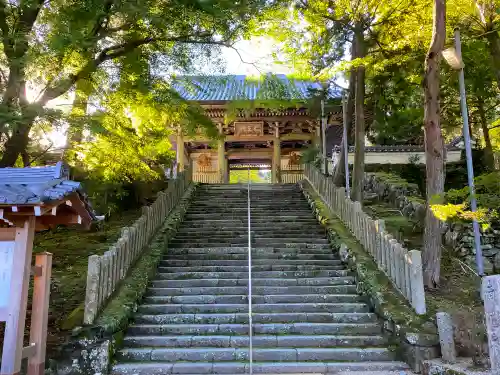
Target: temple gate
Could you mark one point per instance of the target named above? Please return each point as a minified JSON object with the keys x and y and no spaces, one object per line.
{"x":256,"y":134}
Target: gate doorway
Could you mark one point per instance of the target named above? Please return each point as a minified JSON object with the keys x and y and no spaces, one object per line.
{"x":257,"y":171}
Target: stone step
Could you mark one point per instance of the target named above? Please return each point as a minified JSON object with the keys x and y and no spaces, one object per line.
{"x":242,"y":228}
{"x":270,"y":233}
{"x":239,"y":242}
{"x":267,"y":341}
{"x":255,"y":238}
{"x":256,"y":223}
{"x":236,"y":318}
{"x":254,"y":192}
{"x":272,"y":256}
{"x":242,"y":262}
{"x":272,"y":201}
{"x":244,"y":250}
{"x":257,"y":216}
{"x":290,"y":207}
{"x":259,"y":243}
{"x":257,"y":290}
{"x":270,"y":219}
{"x":302,"y":328}
{"x":255,"y":268}
{"x":243,"y":206}
{"x":243,"y":225}
{"x":244,"y":231}
{"x":317,"y":367}
{"x":256,"y":308}
{"x":189,"y":283}
{"x":244,"y":275}
{"x":259,"y":354}
{"x":256,"y":299}
{"x":258,"y":220}
{"x":242,"y":214}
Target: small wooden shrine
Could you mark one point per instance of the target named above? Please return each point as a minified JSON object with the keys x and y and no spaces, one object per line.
{"x":31,"y":199}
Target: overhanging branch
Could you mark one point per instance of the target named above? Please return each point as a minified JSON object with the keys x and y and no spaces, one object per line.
{"x":116,"y":51}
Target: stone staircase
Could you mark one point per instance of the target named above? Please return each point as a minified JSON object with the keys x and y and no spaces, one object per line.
{"x":307,"y":317}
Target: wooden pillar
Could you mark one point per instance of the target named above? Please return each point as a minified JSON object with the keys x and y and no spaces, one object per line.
{"x":317,"y":137}
{"x":276,"y":170}
{"x":18,"y":298}
{"x":221,"y":157}
{"x":180,"y":151}
{"x":40,"y":305}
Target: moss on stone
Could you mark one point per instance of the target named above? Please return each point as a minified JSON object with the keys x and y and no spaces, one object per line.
{"x":393,"y":179}
{"x":115,"y":316}
{"x":118,"y":338}
{"x":74,"y":319}
{"x":416,"y":199}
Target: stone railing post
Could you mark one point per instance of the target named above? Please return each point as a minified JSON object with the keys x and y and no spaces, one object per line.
{"x":92,"y":294}
{"x":445,"y":330}
{"x":417,"y":282}
{"x":490,"y":291}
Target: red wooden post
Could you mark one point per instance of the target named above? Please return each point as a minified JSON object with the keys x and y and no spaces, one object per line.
{"x":40,"y":313}
{"x":18,"y":297}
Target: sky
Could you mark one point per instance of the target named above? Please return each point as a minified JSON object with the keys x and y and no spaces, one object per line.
{"x":257,"y":58}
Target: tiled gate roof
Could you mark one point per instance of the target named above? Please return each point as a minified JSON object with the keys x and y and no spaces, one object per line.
{"x":240,"y":87}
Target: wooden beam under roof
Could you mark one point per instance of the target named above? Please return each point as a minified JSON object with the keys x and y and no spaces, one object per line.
{"x":70,"y":210}
{"x":260,"y":138}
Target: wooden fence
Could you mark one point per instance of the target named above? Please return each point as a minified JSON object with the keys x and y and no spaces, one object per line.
{"x":291,"y":176}
{"x":207,"y":177}
{"x":106,"y":271}
{"x":403,"y":267}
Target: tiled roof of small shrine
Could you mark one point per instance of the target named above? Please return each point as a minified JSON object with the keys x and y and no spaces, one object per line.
{"x":35,"y":185}
{"x":240,"y":87}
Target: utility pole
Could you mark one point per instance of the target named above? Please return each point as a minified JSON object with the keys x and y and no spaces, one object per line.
{"x":454,"y":57}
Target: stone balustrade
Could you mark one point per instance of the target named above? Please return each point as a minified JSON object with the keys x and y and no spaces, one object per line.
{"x":106,"y":271}
{"x":403,"y":267}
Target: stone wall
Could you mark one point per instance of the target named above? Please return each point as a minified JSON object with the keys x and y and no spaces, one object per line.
{"x":398,"y":192}
{"x":460,"y":237}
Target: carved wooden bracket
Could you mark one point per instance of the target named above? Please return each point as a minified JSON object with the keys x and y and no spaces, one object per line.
{"x":204,"y":160}
{"x":294,"y":159}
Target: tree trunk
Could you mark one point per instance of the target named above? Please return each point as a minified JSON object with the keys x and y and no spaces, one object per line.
{"x":494,"y":46}
{"x":16,"y":144}
{"x":18,"y":141}
{"x":488,"y":148}
{"x":26,"y":158}
{"x":359,"y":139}
{"x":339,"y":174}
{"x":434,"y":147}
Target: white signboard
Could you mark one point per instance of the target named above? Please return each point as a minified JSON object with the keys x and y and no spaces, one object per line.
{"x":6,"y":260}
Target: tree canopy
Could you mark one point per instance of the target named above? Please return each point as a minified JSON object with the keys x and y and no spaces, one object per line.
{"x":49,"y":47}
